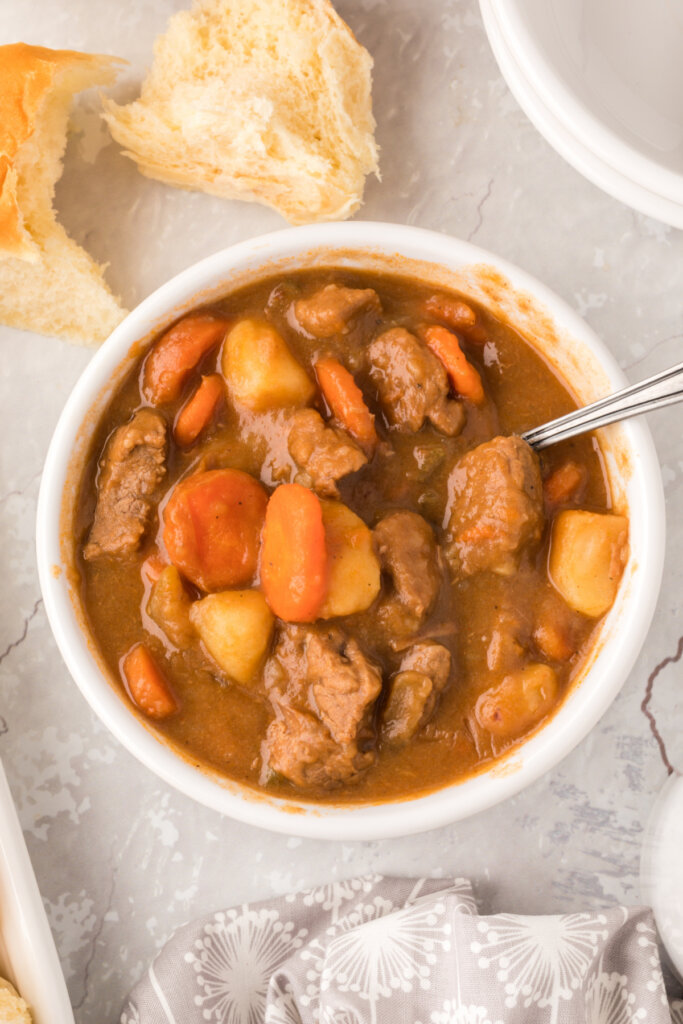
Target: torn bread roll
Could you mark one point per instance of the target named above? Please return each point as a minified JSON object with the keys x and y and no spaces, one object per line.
{"x":13,"y":1009}
{"x":48,"y":283}
{"x":263,"y":100}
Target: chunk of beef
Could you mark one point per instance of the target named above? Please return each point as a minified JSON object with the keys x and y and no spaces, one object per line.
{"x":404,"y":712}
{"x":408,"y":552}
{"x":343,"y":682}
{"x":496,"y":507}
{"x":397,"y":622}
{"x":555,"y":627}
{"x":333,"y":309}
{"x":451,"y":311}
{"x":508,"y":640}
{"x":131,"y":468}
{"x":433,"y":660}
{"x":301,"y":750}
{"x":448,"y":416}
{"x":324,"y":454}
{"x":414,"y":691}
{"x":412,"y":384}
{"x":322,"y":688}
{"x":545,"y":625}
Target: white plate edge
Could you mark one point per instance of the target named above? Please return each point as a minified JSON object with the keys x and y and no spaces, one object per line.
{"x":33,"y":964}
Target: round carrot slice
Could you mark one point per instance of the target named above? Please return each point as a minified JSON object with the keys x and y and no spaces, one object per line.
{"x":294,"y":554}
{"x":212,"y":527}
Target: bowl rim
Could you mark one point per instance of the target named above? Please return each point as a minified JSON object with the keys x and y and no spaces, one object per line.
{"x":593,"y":133}
{"x":579,"y":712}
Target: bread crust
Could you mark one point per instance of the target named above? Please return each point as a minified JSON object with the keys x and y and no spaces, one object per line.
{"x":47,"y":282}
{"x":27,"y":75}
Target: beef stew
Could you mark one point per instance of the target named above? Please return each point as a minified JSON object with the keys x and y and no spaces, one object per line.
{"x":314,"y":551}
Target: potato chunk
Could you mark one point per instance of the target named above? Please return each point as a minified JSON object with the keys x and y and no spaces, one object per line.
{"x":519,"y":702}
{"x":235,"y":626}
{"x":169,"y":607}
{"x":354,"y":573}
{"x":260,"y":371}
{"x":588,"y":552}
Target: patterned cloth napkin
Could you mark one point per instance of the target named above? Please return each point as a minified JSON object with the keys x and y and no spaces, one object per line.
{"x":379,"y":950}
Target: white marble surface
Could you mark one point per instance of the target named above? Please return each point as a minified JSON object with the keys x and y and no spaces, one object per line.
{"x":121,"y":859}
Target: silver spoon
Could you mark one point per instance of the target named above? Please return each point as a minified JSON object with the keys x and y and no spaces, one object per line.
{"x":664,"y":388}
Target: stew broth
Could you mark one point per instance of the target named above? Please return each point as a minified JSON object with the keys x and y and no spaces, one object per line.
{"x":487,"y":621}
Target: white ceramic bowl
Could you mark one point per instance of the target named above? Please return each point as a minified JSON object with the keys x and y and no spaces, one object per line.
{"x":548,"y":324}
{"x":601,"y":80}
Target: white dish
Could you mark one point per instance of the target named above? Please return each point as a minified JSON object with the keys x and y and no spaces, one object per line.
{"x":602,"y":82}
{"x":553,"y":328}
{"x":661,"y":869}
{"x":561,"y":139}
{"x":28,"y":957}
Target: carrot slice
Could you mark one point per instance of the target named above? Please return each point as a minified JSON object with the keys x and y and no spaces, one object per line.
{"x":146,"y":684}
{"x":345,"y":399}
{"x":554,"y":630}
{"x":453,"y":312}
{"x":564,"y":483}
{"x":177,"y":352}
{"x":464,"y":377}
{"x":553,"y":642}
{"x":294,"y":554}
{"x":195,"y":415}
{"x":212,"y":527}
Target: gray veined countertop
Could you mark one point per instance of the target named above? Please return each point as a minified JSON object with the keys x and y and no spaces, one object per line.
{"x":121,"y":859}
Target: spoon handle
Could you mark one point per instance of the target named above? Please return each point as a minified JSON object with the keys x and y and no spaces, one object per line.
{"x":664,"y":388}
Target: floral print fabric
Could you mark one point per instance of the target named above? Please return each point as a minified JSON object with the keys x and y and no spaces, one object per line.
{"x":376,"y":950}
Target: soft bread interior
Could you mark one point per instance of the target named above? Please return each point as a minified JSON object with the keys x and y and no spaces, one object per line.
{"x":265,"y":100}
{"x":13,"y":1009}
{"x":53,"y":286}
